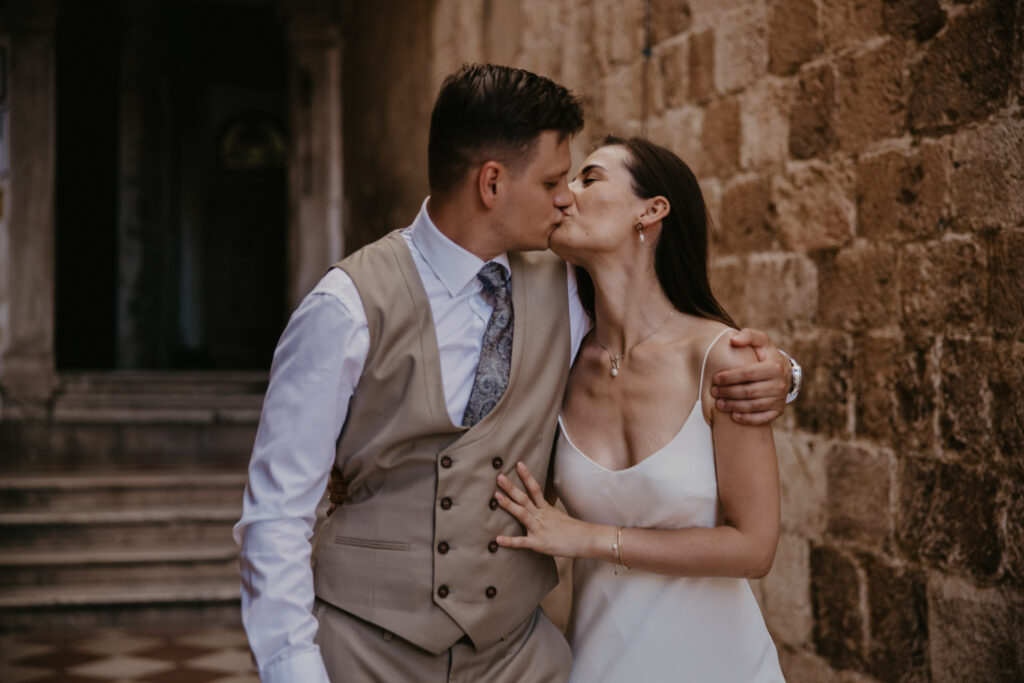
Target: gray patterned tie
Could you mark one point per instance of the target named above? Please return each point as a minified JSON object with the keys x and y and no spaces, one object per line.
{"x":496,"y":354}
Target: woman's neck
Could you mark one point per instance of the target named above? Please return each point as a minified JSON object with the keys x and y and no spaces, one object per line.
{"x":629,"y":304}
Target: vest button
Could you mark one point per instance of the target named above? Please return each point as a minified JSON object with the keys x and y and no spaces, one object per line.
{"x":493,"y":504}
{"x":442,"y":547}
{"x":497,"y":463}
{"x":446,"y":462}
{"x":491,"y":592}
{"x":446,"y":503}
{"x":442,"y":591}
{"x":493,"y":546}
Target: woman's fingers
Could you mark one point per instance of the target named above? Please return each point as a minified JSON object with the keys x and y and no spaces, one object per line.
{"x":532,"y":487}
{"x":514,"y":492}
{"x":513,"y":508}
{"x":514,"y":542}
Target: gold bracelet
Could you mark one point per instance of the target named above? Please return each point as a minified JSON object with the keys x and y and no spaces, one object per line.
{"x":618,"y":547}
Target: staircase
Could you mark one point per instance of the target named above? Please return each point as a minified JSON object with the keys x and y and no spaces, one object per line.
{"x":118,"y":509}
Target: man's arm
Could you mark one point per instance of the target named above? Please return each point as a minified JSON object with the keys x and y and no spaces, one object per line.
{"x":755,"y":394}
{"x":316,"y":366}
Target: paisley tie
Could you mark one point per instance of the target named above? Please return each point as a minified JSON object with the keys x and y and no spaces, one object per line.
{"x":496,"y":354}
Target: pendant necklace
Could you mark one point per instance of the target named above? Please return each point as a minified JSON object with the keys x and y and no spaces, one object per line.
{"x":616,"y":359}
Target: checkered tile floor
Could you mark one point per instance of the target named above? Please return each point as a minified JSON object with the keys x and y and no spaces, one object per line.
{"x":205,"y":655}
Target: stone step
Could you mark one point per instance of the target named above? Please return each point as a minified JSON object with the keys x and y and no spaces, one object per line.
{"x":68,"y":606}
{"x":117,"y":491}
{"x":113,"y":565}
{"x":142,"y":382}
{"x":113,"y":527}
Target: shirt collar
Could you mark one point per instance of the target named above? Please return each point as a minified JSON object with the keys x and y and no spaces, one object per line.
{"x":454,"y":266}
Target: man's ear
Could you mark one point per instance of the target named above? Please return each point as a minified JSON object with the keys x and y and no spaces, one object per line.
{"x":489,"y":179}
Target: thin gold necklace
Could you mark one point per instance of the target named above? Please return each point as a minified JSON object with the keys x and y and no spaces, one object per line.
{"x":616,"y":359}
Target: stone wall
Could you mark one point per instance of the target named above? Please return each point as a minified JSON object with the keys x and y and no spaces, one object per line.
{"x":864,"y":161}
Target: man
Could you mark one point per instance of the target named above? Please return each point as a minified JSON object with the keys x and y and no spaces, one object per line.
{"x":421,"y":367}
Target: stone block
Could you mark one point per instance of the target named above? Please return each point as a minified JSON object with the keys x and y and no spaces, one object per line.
{"x":987,"y":178}
{"x":728,"y":282}
{"x":720,"y":138}
{"x":621,"y":99}
{"x":838,"y":618}
{"x":702,"y":66}
{"x":814,"y":206}
{"x":800,"y":666}
{"x":1012,"y":498}
{"x":846,"y":22}
{"x":616,"y":35}
{"x":782,"y":291}
{"x":965,"y":423}
{"x":793,"y":35}
{"x":674,"y":69}
{"x":741,"y":53}
{"x":942,"y":285}
{"x":680,"y":131}
{"x":898,"y":620}
{"x":917,"y":19}
{"x":746,"y":216}
{"x":901,"y":195}
{"x":975,"y":634}
{"x":708,"y":13}
{"x":811,"y":121}
{"x":764,"y":124}
{"x":895,"y":393}
{"x":1006,"y":384}
{"x":669,"y":18}
{"x":966,"y":71}
{"x":857,"y":288}
{"x":823,"y":404}
{"x":859,"y":510}
{"x":871,"y":96}
{"x":1006,"y":278}
{"x":786,"y":593}
{"x":803,"y":484}
{"x":948,"y":517}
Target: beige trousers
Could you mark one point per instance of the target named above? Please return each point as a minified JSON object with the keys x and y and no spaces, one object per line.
{"x":356,"y":651}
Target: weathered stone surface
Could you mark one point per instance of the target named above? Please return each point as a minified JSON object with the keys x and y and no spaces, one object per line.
{"x":746,"y":216}
{"x":680,"y":131}
{"x":917,"y":19}
{"x":621,"y":100}
{"x":948,"y":516}
{"x":1006,"y":279}
{"x":616,"y":35}
{"x":987,"y":180}
{"x":822,"y":408}
{"x":675,"y":74}
{"x":974,"y":633}
{"x":782,"y":292}
{"x":871,"y":96}
{"x":858,"y":496}
{"x":942,"y":285}
{"x":720,"y":139}
{"x":964,"y":422}
{"x":838,"y":619}
{"x":857,"y":288}
{"x":764,"y":124}
{"x":741,"y":56}
{"x":803,"y":483}
{"x":702,"y":66}
{"x":793,"y":35}
{"x":814,"y":206}
{"x":845,"y":22}
{"x":1006,"y":382}
{"x":895,"y":394}
{"x":1012,"y":498}
{"x":898,"y":621}
{"x":729,"y":282}
{"x":800,"y":666}
{"x":669,"y":18}
{"x":965,"y":72}
{"x":811,"y":121}
{"x":786,"y":592}
{"x":901,"y":195}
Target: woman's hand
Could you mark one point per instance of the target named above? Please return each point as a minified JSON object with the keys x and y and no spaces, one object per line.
{"x":548,"y":529}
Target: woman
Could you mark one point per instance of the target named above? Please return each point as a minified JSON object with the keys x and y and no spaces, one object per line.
{"x":672,"y":504}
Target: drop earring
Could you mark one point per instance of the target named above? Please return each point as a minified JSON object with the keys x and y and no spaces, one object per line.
{"x":639,"y":227}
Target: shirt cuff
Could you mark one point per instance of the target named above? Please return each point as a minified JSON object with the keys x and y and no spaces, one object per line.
{"x":307,"y":667}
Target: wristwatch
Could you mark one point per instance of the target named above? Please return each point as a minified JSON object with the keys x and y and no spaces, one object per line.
{"x":796,"y":377}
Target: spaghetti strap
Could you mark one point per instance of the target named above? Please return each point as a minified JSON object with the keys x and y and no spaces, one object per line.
{"x":707,"y":352}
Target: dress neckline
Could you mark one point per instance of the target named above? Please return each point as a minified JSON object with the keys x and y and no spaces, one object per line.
{"x":568,"y":439}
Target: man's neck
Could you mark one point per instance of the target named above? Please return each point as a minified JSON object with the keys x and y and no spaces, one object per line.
{"x":460,"y":222}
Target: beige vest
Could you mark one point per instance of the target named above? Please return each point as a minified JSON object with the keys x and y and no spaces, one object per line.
{"x":412,"y":549}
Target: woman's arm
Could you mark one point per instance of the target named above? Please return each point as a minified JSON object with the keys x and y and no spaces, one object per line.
{"x":748,"y":487}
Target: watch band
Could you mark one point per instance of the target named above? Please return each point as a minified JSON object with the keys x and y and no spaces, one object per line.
{"x":796,"y":377}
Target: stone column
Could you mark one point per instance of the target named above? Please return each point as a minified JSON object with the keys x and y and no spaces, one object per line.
{"x":315,"y":197}
{"x":27,"y":367}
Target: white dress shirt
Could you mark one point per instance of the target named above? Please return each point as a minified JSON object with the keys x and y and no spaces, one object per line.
{"x":316,"y":367}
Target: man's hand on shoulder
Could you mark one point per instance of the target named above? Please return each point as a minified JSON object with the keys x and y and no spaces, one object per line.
{"x":755,"y":394}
